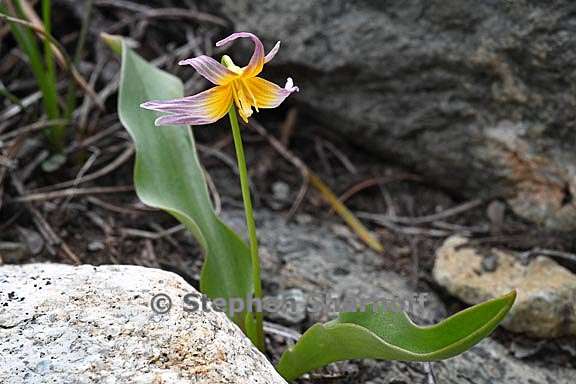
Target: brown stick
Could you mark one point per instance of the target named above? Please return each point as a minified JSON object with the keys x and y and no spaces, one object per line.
{"x":428,"y":218}
{"x":37,"y":126}
{"x":117,"y":209}
{"x":72,"y":192}
{"x":133,"y":232}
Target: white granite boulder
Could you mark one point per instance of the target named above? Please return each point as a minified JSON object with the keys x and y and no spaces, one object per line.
{"x":65,"y":324}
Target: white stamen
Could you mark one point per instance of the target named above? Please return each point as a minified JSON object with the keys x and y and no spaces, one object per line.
{"x":290,"y":86}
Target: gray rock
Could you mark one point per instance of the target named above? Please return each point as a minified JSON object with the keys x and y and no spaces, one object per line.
{"x":281,"y":191}
{"x":64,"y":324}
{"x":280,"y":195}
{"x":294,"y":309}
{"x":95,"y":246}
{"x":546,"y":302}
{"x":32,"y":239}
{"x":477,"y":96}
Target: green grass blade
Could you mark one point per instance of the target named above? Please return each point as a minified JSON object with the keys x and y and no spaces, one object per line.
{"x":168,"y":176}
{"x":27,"y":42}
{"x":57,"y":132}
{"x":392,"y":336}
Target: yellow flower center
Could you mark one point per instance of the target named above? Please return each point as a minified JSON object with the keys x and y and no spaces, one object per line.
{"x":241,"y":93}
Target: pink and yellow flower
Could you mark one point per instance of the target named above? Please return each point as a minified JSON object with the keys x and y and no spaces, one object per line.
{"x":240,"y":86}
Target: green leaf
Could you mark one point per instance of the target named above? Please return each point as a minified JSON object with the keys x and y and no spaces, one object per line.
{"x":392,"y":336}
{"x":168,"y":176}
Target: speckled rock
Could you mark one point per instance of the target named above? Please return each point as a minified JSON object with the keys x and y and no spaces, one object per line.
{"x":475,"y":95}
{"x":65,"y":324}
{"x":546,"y":303}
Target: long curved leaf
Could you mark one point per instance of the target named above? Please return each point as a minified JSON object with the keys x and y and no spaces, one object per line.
{"x":168,"y":176}
{"x":392,"y":336}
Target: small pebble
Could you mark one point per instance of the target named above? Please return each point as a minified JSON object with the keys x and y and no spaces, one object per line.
{"x":95,"y":246}
{"x":281,"y":191}
{"x":490,"y":263}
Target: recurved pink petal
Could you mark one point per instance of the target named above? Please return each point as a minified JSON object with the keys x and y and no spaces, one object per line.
{"x":203,"y":108}
{"x":210,"y":69}
{"x":257,"y":60}
{"x":272,"y":53}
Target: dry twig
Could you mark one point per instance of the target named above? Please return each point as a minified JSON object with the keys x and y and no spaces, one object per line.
{"x":37,"y":126}
{"x":151,"y":235}
{"x":280,"y":330}
{"x":132,"y":210}
{"x":424,"y":219}
{"x":72,"y":192}
{"x":346,"y":162}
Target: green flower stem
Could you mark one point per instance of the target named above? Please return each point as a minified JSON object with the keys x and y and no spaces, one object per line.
{"x":250,"y":224}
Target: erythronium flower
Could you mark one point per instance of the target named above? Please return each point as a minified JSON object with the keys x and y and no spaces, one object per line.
{"x":234,"y":86}
{"x":240,"y":86}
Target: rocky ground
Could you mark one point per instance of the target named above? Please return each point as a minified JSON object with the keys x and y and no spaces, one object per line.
{"x":459,"y":127}
{"x":319,"y":255}
{"x":299,"y":259}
